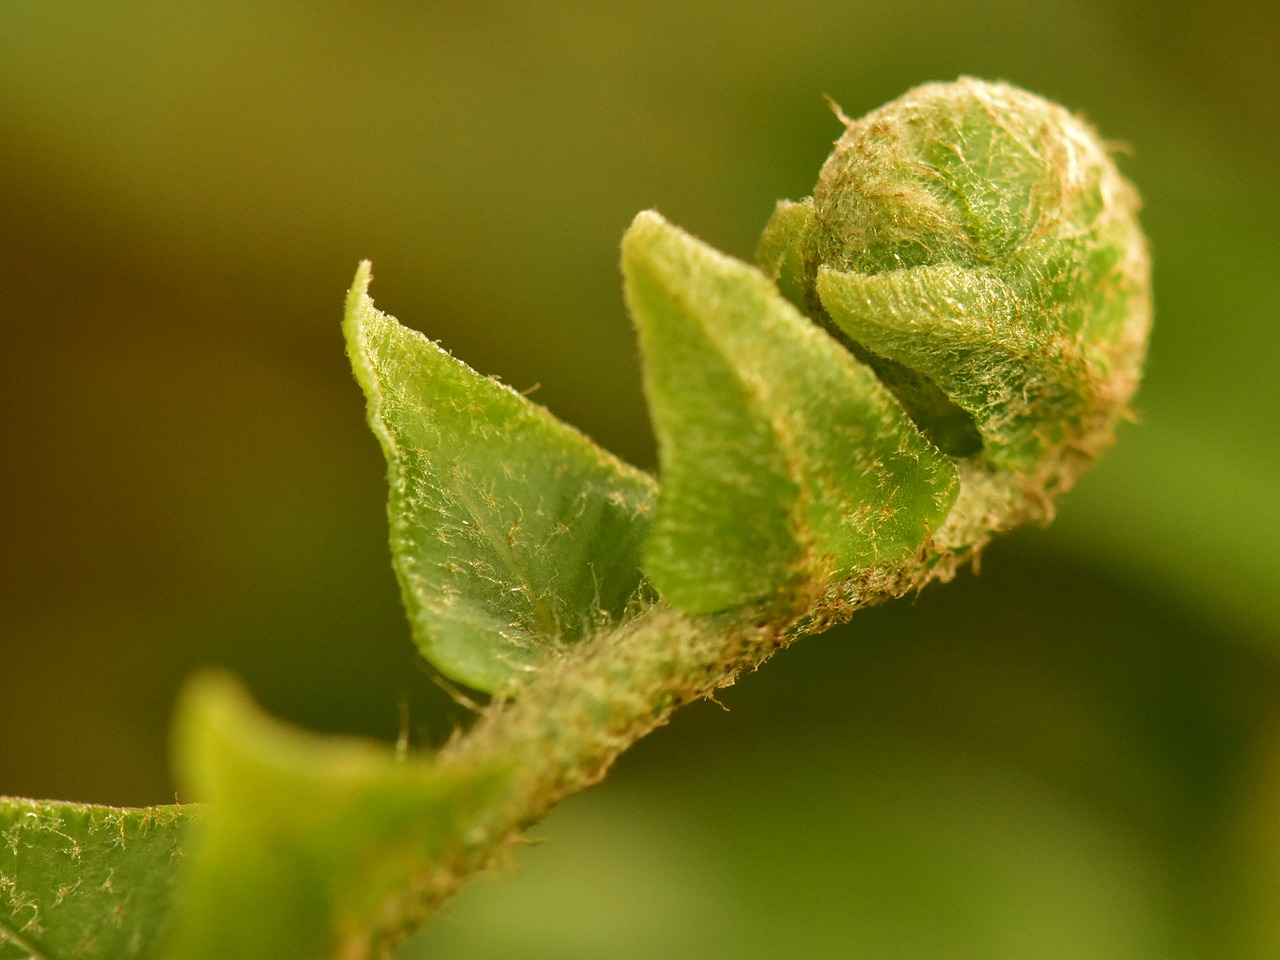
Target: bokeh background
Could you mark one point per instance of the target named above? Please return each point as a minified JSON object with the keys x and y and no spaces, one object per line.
{"x":1074,"y":754}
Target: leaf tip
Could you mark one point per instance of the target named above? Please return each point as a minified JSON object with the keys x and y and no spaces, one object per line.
{"x":648,"y":233}
{"x":212,"y":702}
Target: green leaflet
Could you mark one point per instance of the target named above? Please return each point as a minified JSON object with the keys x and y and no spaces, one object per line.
{"x":786,"y":465}
{"x":86,"y":882}
{"x":308,"y":847}
{"x":510,"y":530}
{"x":962,"y":330}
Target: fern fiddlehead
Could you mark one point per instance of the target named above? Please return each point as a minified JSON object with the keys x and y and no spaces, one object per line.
{"x":932,"y":348}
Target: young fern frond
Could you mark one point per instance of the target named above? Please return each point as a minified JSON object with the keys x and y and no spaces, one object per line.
{"x":932,"y":348}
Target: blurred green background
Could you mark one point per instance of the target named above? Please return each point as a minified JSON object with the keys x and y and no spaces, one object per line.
{"x":1074,"y":754}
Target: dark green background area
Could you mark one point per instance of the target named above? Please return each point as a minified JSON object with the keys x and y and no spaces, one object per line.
{"x":1074,"y":754}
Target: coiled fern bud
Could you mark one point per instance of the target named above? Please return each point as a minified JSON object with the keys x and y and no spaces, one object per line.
{"x":977,"y":247}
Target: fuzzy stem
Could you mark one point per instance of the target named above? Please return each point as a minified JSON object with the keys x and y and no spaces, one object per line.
{"x":561,"y":730}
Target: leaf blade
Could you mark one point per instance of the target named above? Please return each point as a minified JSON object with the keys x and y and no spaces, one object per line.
{"x":308,"y":846}
{"x":510,"y":530}
{"x":785,"y":463}
{"x":85,"y":881}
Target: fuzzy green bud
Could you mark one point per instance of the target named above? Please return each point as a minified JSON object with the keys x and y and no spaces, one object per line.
{"x":976,"y":245}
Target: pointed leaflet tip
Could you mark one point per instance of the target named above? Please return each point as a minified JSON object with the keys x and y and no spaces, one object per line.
{"x":786,"y":465}
{"x":511,"y":532}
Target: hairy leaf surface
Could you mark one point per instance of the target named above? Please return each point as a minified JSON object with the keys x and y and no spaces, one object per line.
{"x":510,"y":530}
{"x":963,"y":330}
{"x":786,"y":464}
{"x":86,"y":882}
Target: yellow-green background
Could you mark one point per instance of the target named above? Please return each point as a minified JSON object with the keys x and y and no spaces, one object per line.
{"x":1074,"y":754}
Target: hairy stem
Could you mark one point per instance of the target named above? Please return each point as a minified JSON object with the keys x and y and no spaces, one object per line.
{"x":563,"y":728}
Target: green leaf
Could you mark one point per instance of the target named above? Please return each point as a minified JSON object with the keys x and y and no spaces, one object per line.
{"x":964,"y":330}
{"x":786,"y":465}
{"x":86,"y":882}
{"x":510,"y":530}
{"x":308,"y":847}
